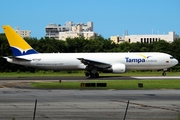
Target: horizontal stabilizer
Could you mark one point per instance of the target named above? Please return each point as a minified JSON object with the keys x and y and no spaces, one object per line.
{"x":16,"y":58}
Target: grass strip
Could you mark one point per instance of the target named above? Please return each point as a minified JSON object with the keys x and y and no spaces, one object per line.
{"x":111,"y":84}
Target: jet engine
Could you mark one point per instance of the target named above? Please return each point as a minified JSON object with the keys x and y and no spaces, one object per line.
{"x":116,"y":68}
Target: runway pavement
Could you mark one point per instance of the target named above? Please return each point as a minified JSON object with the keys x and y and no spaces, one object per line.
{"x":85,"y":78}
{"x":89,"y":104}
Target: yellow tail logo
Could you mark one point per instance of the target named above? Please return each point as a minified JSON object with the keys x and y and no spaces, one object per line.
{"x":18,"y":45}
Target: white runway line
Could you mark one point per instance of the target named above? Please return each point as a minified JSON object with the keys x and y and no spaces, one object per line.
{"x":159,"y":77}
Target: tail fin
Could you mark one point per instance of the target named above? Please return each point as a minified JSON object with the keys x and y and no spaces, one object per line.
{"x":18,"y":45}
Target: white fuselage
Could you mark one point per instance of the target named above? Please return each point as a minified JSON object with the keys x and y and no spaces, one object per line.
{"x":69,"y":61}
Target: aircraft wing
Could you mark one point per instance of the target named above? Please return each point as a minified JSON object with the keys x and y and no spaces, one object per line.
{"x":94,"y":63}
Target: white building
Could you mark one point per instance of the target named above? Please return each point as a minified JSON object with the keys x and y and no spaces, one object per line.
{"x":70,"y":30}
{"x":23,"y":33}
{"x":170,"y":37}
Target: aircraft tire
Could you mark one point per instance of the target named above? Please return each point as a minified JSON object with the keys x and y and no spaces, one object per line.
{"x":96,"y":75}
{"x":92,"y":75}
{"x":87,"y":74}
{"x":164,"y":74}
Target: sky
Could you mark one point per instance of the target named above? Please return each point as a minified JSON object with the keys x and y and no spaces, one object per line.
{"x":109,"y":17}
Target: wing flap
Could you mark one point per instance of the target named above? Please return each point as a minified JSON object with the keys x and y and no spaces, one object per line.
{"x":94,"y":63}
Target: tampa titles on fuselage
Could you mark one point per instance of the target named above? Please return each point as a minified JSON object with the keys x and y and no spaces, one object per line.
{"x":138,"y":60}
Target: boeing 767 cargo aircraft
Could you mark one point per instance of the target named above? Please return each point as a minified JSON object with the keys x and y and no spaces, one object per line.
{"x":24,"y":54}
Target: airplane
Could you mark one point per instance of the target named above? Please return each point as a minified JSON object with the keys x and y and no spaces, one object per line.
{"x":24,"y":54}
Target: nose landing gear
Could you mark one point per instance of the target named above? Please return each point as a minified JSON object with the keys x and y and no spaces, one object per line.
{"x":164,"y":72}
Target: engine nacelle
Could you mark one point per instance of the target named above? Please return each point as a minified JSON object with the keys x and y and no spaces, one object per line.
{"x":116,"y":68}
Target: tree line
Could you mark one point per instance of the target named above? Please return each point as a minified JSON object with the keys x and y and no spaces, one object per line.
{"x":75,"y":45}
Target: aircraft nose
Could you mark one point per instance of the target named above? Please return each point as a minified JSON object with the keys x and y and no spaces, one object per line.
{"x":175,"y":61}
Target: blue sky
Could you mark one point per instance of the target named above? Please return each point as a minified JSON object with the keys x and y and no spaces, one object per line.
{"x":110,"y":17}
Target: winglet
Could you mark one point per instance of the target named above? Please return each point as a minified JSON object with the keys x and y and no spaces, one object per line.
{"x":18,"y":45}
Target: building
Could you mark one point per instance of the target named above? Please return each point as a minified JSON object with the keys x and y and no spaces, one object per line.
{"x":52,"y":30}
{"x":70,"y":30}
{"x":116,"y":39}
{"x":170,"y":37}
{"x":23,"y":33}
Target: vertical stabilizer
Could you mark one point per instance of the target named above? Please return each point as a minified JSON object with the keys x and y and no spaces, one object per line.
{"x":18,"y":45}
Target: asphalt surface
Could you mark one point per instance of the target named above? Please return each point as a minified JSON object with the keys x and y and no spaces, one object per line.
{"x":87,"y":104}
{"x":85,"y":78}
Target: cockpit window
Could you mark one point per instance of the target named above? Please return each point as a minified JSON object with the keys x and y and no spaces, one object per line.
{"x":171,"y":57}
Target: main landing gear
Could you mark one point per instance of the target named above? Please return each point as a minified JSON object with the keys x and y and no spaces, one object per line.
{"x":91,"y":74}
{"x":164,"y":72}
